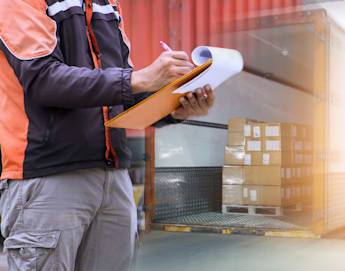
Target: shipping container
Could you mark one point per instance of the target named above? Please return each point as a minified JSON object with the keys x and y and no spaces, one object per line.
{"x":183,"y":24}
{"x":293,"y":56}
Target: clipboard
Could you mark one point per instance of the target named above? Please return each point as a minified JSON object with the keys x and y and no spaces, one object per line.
{"x":157,"y":106}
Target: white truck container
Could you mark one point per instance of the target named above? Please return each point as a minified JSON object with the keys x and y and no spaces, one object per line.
{"x":294,"y":73}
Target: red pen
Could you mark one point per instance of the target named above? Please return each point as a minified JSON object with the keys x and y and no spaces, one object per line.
{"x":165,"y":46}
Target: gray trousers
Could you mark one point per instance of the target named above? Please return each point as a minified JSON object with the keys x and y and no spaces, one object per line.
{"x":83,"y":220}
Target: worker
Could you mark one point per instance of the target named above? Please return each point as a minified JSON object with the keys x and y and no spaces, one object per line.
{"x":66,"y":196}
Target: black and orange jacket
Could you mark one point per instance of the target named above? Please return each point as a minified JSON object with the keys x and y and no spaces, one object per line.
{"x":64,"y":69}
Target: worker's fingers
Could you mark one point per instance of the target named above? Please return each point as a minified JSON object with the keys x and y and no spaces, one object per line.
{"x":193,"y":102}
{"x":210,"y":95}
{"x":202,"y":100}
{"x":177,"y":55}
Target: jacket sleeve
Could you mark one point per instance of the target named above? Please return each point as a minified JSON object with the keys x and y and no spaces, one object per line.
{"x":30,"y":41}
{"x":47,"y":81}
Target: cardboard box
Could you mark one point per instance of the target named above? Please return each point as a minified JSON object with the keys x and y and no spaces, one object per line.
{"x":252,"y":175}
{"x":306,"y":194}
{"x":277,"y":158}
{"x":251,"y":195}
{"x":263,"y":175}
{"x":290,"y":174}
{"x":286,"y":195}
{"x":239,"y":125}
{"x":253,"y":145}
{"x":272,"y":130}
{"x":297,"y":145}
{"x":308,"y":145}
{"x":293,"y":194}
{"x":233,"y":175}
{"x":248,"y":143}
{"x":240,"y":139}
{"x":305,"y":131}
{"x":241,"y":129}
{"x":236,"y":139}
{"x":235,"y":155}
{"x":289,"y":130}
{"x":303,"y":159}
{"x":269,"y":195}
{"x":270,"y":145}
{"x":308,"y":159}
{"x":284,"y":144}
{"x":232,"y":194}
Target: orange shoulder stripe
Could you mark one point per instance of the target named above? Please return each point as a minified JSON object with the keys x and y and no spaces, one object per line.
{"x":25,"y":28}
{"x":13,"y":122}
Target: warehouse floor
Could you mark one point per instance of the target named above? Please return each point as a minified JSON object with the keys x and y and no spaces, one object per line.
{"x":164,"y":251}
{"x":200,"y":252}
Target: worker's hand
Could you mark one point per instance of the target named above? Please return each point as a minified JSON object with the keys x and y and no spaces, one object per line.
{"x":195,"y":104}
{"x":168,"y":67}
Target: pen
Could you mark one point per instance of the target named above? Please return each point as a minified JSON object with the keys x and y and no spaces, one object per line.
{"x":165,"y":46}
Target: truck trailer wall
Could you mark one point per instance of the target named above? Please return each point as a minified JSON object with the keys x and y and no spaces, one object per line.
{"x":245,"y":95}
{"x":335,"y":182}
{"x":185,"y":24}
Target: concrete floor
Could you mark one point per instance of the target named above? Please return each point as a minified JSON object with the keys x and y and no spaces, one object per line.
{"x":162,"y":251}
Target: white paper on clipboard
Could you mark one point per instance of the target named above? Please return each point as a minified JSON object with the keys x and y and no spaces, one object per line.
{"x":225,"y":64}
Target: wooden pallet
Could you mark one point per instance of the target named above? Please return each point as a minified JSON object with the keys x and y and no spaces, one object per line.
{"x":252,"y":210}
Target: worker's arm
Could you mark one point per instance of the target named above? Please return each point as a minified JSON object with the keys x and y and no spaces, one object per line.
{"x":30,"y":42}
{"x":168,"y":67}
{"x":47,"y":81}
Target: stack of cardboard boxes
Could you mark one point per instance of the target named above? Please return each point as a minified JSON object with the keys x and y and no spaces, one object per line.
{"x":267,"y":164}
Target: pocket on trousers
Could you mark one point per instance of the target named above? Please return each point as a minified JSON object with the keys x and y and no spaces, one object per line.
{"x":30,"y":251}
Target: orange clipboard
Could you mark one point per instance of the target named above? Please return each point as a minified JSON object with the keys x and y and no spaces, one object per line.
{"x":157,"y":106}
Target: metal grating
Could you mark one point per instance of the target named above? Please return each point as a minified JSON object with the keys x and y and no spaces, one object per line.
{"x":226,"y":220}
{"x":185,"y":191}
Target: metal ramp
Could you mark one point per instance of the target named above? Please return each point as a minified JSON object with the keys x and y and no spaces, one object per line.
{"x":216,"y":219}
